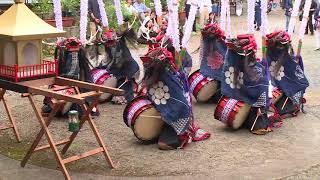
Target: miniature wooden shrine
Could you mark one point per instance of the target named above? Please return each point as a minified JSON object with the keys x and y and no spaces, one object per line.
{"x":23,"y":71}
{"x":21,"y":35}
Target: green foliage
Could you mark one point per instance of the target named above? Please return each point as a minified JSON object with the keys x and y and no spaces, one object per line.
{"x":71,"y":6}
{"x":42,"y":6}
{"x":127,"y":16}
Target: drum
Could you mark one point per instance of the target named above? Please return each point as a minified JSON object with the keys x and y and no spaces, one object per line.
{"x":102,"y":77}
{"x":232,"y":112}
{"x":144,"y":120}
{"x":202,"y":88}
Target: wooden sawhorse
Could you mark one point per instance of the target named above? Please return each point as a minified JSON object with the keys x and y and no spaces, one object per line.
{"x":35,"y":87}
{"x":12,"y":124}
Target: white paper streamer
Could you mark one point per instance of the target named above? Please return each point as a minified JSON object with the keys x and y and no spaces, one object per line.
{"x":264,"y":18}
{"x":169,"y":31}
{"x":223,"y":13}
{"x":103,"y":13}
{"x":294,"y":15}
{"x":189,"y":23}
{"x":175,"y":26}
{"x":117,"y":5}
{"x":83,"y":19}
{"x":58,"y":14}
{"x":250,"y":17}
{"x":228,"y":34}
{"x":158,"y":7}
{"x":306,"y":10}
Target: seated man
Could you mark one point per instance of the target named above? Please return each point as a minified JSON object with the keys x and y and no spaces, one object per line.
{"x":142,"y":9}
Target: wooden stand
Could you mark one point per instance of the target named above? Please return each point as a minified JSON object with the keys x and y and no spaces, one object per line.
{"x":12,"y":121}
{"x":35,"y":88}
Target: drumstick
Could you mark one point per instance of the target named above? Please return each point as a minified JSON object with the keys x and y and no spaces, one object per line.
{"x":255,"y":121}
{"x":148,"y":116}
{"x":285,"y":102}
{"x":123,"y":83}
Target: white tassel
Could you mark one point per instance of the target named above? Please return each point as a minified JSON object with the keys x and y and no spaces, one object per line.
{"x":264,"y":18}
{"x":103,"y":13}
{"x":189,"y":23}
{"x":250,"y":17}
{"x":117,"y":5}
{"x":158,"y":7}
{"x":228,"y":19}
{"x":294,"y":15}
{"x":303,"y":26}
{"x":83,"y":19}
{"x":58,"y":14}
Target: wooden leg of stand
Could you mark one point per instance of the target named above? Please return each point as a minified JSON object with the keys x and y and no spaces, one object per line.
{"x":40,"y":134}
{"x":49,"y":138}
{"x":12,"y":121}
{"x":98,"y":137}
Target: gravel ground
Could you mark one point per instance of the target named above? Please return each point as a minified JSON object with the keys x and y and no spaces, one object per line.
{"x":287,"y":151}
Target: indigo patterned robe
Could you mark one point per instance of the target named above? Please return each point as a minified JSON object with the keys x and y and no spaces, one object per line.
{"x":212,"y":57}
{"x":171,"y":97}
{"x":287,"y":73}
{"x":245,"y":80}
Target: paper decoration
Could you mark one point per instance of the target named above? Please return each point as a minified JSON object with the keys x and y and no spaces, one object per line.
{"x":117,"y":5}
{"x":294,"y":15}
{"x":57,"y":14}
{"x":303,"y":26}
{"x":250,"y":16}
{"x":158,"y":7}
{"x":103,"y":13}
{"x":264,"y":18}
{"x":83,"y":19}
{"x":189,"y":23}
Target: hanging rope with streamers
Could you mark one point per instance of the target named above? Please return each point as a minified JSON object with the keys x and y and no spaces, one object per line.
{"x":306,"y":10}
{"x":117,"y":5}
{"x":169,"y":31}
{"x":264,"y":18}
{"x":228,"y":19}
{"x":103,"y":13}
{"x":83,"y":19}
{"x":175,"y":21}
{"x":250,"y":16}
{"x":158,"y":7}
{"x":223,"y":14}
{"x":189,"y":23}
{"x":294,"y":15}
{"x":58,"y":14}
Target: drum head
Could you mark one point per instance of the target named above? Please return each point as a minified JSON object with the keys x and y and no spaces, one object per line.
{"x":148,"y":125}
{"x":239,"y":8}
{"x":110,"y":82}
{"x":241,"y":116}
{"x":207,"y":91}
